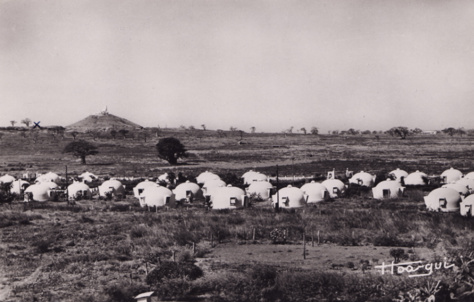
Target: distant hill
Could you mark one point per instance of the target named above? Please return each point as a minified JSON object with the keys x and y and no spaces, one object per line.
{"x":103,"y":121}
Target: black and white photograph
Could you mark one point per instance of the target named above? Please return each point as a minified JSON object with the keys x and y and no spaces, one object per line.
{"x":236,"y":150}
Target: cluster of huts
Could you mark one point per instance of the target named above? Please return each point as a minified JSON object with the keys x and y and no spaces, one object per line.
{"x":454,"y":195}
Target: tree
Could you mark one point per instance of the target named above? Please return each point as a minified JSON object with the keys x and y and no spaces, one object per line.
{"x":416,"y":131}
{"x":449,"y":131}
{"x":170,"y":149}
{"x":26,"y":121}
{"x":252,"y":129}
{"x":304,"y":130}
{"x":314,"y":131}
{"x":352,"y":131}
{"x":81,"y":149}
{"x":403,"y":132}
{"x":203,"y":127}
{"x":13,"y":123}
{"x":461,"y":131}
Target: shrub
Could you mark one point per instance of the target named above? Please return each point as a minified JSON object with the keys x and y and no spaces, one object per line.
{"x":278,"y":236}
{"x":173,"y":270}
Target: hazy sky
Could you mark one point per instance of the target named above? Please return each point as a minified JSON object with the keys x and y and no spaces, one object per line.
{"x":270,"y":64}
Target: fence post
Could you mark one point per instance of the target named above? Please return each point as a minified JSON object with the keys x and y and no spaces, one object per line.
{"x":318,"y":237}
{"x":253,"y":235}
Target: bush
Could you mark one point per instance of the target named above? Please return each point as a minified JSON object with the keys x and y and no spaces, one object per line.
{"x":173,"y":270}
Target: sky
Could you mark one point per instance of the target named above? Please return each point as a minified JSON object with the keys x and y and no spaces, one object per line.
{"x":268,"y":64}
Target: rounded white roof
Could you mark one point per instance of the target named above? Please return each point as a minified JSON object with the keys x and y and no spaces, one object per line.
{"x":48,"y":185}
{"x":452,"y":197}
{"x":398,"y":173}
{"x":142,"y":186}
{"x":40,"y":192}
{"x":333,"y":183}
{"x":366,"y":179}
{"x":461,"y":189}
{"x":315,"y":191}
{"x":469,"y":175}
{"x":468,"y":200}
{"x":156,"y":196}
{"x":252,"y":176}
{"x":88,"y":176}
{"x":389,"y":184}
{"x":206,"y":176}
{"x":451,"y":175}
{"x":468,"y":182}
{"x":227,"y":197}
{"x":17,"y":185}
{"x":290,"y":197}
{"x":181,"y":190}
{"x":260,"y":188}
{"x":415,"y":178}
{"x":78,"y":186}
{"x":50,"y":176}
{"x":7,"y":179}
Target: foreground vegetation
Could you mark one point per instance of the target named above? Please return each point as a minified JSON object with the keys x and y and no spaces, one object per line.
{"x":99,"y":250}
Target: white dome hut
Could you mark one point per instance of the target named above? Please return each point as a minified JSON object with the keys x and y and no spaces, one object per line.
{"x":467,"y":206}
{"x":467,"y":182}
{"x":188,"y":191}
{"x":289,"y":197}
{"x":78,"y":190}
{"x":416,"y":179}
{"x":335,"y":187}
{"x":156,"y":197}
{"x":444,"y":200}
{"x":206,"y":176}
{"x":18,"y":186}
{"x":261,"y":190}
{"x":228,"y":198}
{"x":461,"y":189}
{"x":398,"y":174}
{"x":209,"y":186}
{"x":363,"y":179}
{"x":469,"y":175}
{"x":37,"y":192}
{"x":88,"y":177}
{"x":140,"y":187}
{"x":450,"y":176}
{"x":388,"y":189}
{"x":7,"y":179}
{"x":315,"y":191}
{"x":48,"y":177}
{"x":252,"y":176}
{"x":111,"y":186}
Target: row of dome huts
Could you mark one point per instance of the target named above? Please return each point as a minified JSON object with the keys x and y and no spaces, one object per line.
{"x":453,"y":196}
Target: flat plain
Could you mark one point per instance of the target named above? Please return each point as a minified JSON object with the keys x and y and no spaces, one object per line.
{"x":103,"y":250}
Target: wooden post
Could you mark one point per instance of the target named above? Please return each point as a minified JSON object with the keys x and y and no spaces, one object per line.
{"x":174,"y":256}
{"x":318,"y":237}
{"x":131,"y":279}
{"x":194,"y":248}
{"x":312,"y":238}
{"x":253,"y":235}
{"x":146,"y":268}
{"x":212,"y":239}
{"x":304,"y":245}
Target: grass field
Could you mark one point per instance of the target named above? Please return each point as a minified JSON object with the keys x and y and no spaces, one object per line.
{"x":101,"y":250}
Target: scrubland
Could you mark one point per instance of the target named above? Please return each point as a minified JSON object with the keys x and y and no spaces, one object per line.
{"x":98,"y":250}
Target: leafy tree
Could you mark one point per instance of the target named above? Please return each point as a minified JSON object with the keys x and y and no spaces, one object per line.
{"x":314,"y":131}
{"x":352,"y":131}
{"x":366,"y":132}
{"x":192,"y":128}
{"x":203,"y":127}
{"x":81,"y":149}
{"x":403,"y":132}
{"x":416,"y":131}
{"x":13,"y":123}
{"x":252,"y":129}
{"x":450,"y":131}
{"x":461,"y":131}
{"x":304,"y":130}
{"x":233,"y":129}
{"x":26,"y":121}
{"x":170,"y":149}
